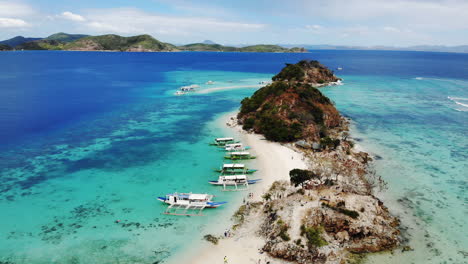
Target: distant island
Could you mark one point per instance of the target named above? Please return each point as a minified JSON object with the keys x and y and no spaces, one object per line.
{"x":427,"y":48}
{"x":140,"y":43}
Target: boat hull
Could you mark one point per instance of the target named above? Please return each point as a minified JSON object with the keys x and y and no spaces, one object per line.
{"x":217,"y":183}
{"x":208,"y":204}
{"x":239,"y":158}
{"x":222,"y":144}
{"x":236,"y":172}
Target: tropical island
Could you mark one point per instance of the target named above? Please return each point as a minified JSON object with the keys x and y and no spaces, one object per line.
{"x":315,"y":203}
{"x":111,"y":42}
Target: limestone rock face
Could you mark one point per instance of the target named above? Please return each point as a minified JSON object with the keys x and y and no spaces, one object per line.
{"x":323,"y":223}
{"x":290,"y":252}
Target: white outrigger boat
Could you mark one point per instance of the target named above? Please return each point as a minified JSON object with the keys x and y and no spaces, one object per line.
{"x":235,"y":147}
{"x":189,"y":88}
{"x":188,"y":201}
{"x":242,"y":155}
{"x":234,"y":168}
{"x":221,"y":142}
{"x":186,"y":89}
{"x":233,"y":180}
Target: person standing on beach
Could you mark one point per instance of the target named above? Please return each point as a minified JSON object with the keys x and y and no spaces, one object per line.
{"x":225,"y":260}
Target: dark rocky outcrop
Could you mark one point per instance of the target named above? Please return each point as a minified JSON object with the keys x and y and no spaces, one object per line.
{"x":291,"y":107}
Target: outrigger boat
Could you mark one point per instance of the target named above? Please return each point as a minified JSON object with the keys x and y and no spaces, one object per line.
{"x":221,"y":142}
{"x":181,"y":203}
{"x":244,"y":155}
{"x":235,"y":147}
{"x":189,"y":88}
{"x":233,"y":180}
{"x":236,"y":168}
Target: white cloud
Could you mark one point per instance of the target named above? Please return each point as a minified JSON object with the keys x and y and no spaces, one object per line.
{"x":430,"y":15}
{"x":391,"y":29}
{"x":356,"y":30}
{"x":314,"y":27}
{"x":12,"y":23}
{"x":73,"y":17}
{"x":135,"y":21}
{"x":11,"y":9}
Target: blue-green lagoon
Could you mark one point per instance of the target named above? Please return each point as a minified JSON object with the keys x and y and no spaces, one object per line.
{"x":91,"y":138}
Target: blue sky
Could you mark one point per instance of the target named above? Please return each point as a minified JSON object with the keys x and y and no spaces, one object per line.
{"x":338,"y":22}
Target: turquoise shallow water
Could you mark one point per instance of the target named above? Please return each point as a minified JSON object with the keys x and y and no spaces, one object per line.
{"x":60,"y":205}
{"x":90,"y":138}
{"x":420,"y":138}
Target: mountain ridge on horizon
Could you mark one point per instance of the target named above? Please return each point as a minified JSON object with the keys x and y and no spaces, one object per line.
{"x":50,"y":42}
{"x":139,"y":43}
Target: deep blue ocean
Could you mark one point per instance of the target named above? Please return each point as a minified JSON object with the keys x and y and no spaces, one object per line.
{"x":87,"y":138}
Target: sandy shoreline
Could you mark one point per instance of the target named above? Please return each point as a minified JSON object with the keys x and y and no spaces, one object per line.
{"x":274,"y":161}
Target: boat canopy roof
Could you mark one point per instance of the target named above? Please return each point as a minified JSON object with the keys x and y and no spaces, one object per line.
{"x":233,"y":145}
{"x":235,"y":177}
{"x":192,"y":196}
{"x":195,"y":196}
{"x":242,"y":153}
{"x":233,"y":166}
{"x":225,"y":139}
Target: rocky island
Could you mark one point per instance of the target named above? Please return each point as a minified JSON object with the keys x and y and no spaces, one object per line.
{"x":111,"y":42}
{"x":320,"y":208}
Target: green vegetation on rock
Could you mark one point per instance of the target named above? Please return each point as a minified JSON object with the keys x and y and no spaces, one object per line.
{"x":211,"y":238}
{"x":291,"y":108}
{"x":350,"y":213}
{"x":110,"y":42}
{"x":283,"y":230}
{"x":206,"y":47}
{"x":64,"y":37}
{"x":299,"y":177}
{"x":117,"y":43}
{"x":292,"y":72}
{"x":4,"y":47}
{"x":221,"y":48}
{"x":18,"y":40}
{"x":313,"y":235}
{"x":41,"y":45}
{"x":266,"y":48}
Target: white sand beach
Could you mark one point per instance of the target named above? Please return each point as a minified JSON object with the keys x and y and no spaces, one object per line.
{"x":274,"y":162}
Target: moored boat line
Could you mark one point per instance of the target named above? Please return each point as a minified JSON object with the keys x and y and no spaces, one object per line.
{"x":232,"y":177}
